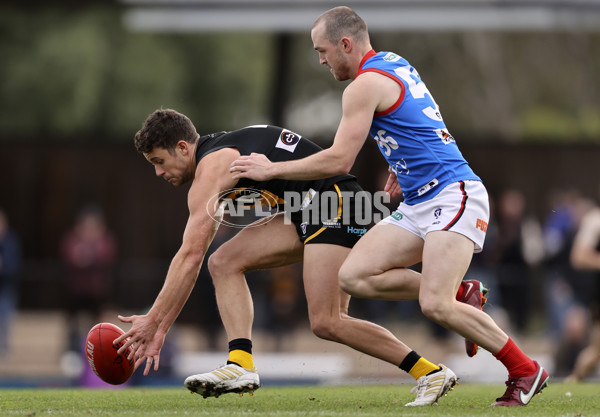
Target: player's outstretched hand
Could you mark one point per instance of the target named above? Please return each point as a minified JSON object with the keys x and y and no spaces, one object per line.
{"x":152,"y":353}
{"x":145,"y":339}
{"x":255,"y":166}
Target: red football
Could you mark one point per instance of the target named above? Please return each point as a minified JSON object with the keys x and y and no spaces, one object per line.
{"x":103,"y":357}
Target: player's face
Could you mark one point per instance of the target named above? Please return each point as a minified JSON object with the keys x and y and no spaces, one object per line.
{"x":174,"y":167}
{"x":331,"y":55}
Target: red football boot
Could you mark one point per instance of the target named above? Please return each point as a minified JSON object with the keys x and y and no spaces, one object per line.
{"x":474,"y":294}
{"x":519,"y":391}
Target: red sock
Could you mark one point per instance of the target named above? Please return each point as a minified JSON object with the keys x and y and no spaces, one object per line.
{"x":461,"y":291}
{"x":517,"y":363}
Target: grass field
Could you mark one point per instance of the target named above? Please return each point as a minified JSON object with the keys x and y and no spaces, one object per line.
{"x":371,"y":400}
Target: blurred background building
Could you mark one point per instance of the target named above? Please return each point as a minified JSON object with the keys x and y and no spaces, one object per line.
{"x":518,"y":84}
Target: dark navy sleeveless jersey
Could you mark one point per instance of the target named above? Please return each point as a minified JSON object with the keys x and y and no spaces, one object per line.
{"x":278,"y":145}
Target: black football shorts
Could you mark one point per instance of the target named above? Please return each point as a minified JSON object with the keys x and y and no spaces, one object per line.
{"x":336,"y":215}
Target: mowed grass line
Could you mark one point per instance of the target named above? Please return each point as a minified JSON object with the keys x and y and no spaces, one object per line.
{"x":371,"y":400}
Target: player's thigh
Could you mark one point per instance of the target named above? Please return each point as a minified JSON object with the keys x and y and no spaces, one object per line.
{"x":446,"y":258}
{"x":321,"y":266}
{"x":384,"y":247}
{"x":268,"y":245}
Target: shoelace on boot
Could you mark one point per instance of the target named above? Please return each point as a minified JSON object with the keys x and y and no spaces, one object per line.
{"x":511,"y":386}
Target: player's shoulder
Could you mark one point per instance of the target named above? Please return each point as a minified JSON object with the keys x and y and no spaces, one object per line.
{"x":216,"y":160}
{"x":370,"y":84}
{"x":364,"y":82}
{"x":219,"y":155}
{"x":212,"y":172}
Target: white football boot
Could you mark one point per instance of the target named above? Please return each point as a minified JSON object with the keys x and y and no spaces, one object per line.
{"x":227,"y":378}
{"x":430,"y":388}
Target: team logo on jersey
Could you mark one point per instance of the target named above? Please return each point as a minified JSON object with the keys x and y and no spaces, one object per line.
{"x":427,"y":186}
{"x":445,"y":136}
{"x":288,"y":140}
{"x":437,"y":212}
{"x":391,"y":57}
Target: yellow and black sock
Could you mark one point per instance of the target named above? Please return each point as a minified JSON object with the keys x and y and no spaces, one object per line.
{"x":240,"y":353}
{"x":417,"y":366}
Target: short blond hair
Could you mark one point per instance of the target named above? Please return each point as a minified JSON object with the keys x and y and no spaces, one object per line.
{"x":343,"y":21}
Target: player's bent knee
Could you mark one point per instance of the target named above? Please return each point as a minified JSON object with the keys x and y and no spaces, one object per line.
{"x":347,"y":286}
{"x":349,"y":280}
{"x":220,"y":265}
{"x":213,"y":264}
{"x":323,"y":329}
{"x":434,"y":310}
{"x":356,"y":286}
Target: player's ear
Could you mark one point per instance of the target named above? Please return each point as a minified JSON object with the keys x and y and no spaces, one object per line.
{"x":182,"y":146}
{"x":346,"y":44}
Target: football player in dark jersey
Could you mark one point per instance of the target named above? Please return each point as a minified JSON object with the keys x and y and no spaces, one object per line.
{"x":169,"y":141}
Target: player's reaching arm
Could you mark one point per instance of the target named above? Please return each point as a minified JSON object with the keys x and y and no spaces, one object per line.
{"x":148,"y":331}
{"x":359,"y":103}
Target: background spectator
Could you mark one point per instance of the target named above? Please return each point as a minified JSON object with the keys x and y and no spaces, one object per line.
{"x":89,"y":254}
{"x":585,"y":256}
{"x":10,"y":265}
{"x":517,"y":245}
{"x":567,"y":289}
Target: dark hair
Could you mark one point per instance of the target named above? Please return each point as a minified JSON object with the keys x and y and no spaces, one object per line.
{"x":163,"y":129}
{"x":343,"y":21}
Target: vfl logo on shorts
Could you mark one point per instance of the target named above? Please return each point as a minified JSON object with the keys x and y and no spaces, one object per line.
{"x":288,"y":140}
{"x":437,"y":213}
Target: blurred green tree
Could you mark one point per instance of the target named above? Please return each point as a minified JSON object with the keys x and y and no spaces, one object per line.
{"x":77,"y":74}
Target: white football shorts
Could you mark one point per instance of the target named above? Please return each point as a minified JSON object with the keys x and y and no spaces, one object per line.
{"x":462,"y":207}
